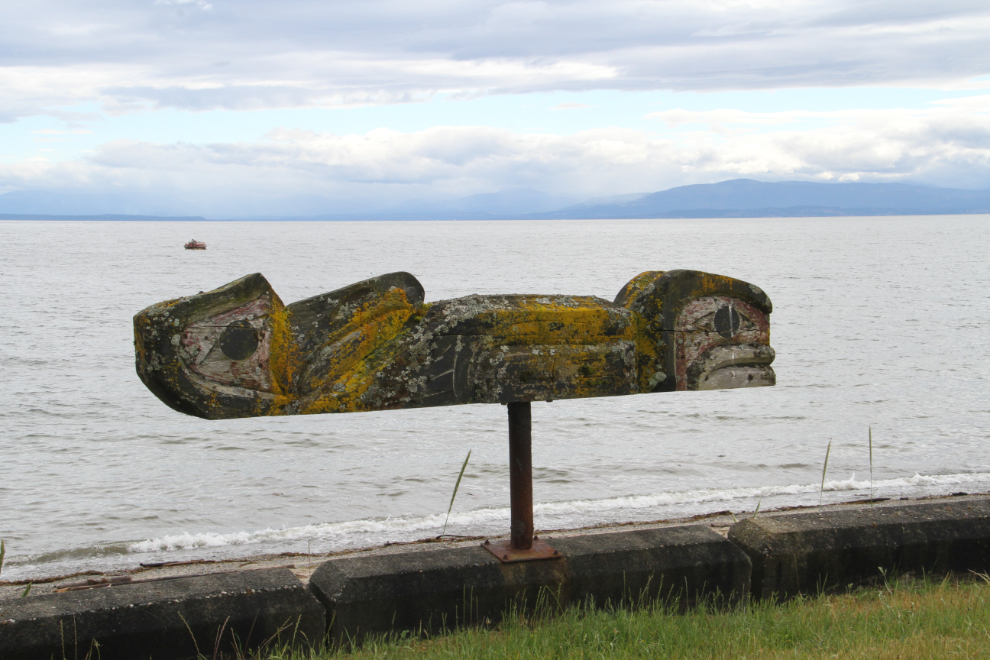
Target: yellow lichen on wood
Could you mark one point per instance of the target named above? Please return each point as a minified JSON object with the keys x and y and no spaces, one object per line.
{"x":583,"y":371}
{"x":711,"y":284}
{"x":533,"y":322}
{"x":283,"y":356}
{"x":640,"y":282}
{"x":648,"y":357}
{"x":359,"y":352}
{"x":361,"y":373}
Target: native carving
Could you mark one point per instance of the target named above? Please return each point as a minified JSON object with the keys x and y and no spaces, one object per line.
{"x":238,"y":351}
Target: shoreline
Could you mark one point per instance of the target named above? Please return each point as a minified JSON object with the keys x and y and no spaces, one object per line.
{"x":303,"y":564}
{"x":436,"y":585}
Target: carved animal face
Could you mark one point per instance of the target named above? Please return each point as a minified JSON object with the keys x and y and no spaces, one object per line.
{"x":700,"y":331}
{"x":214,"y":349}
{"x":722,"y":342}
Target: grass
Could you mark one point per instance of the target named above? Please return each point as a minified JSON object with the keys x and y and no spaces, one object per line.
{"x":452,"y":497}
{"x":899,"y":620}
{"x":821,"y":492}
{"x":871,"y":465}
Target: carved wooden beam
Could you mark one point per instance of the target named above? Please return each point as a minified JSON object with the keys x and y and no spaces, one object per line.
{"x":238,"y":351}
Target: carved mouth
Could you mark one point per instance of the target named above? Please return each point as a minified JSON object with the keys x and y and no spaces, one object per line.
{"x":728,"y":367}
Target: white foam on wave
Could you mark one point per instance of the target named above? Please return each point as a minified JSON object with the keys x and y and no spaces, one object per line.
{"x":351,"y":528}
{"x":372,"y":531}
{"x":709,"y":495}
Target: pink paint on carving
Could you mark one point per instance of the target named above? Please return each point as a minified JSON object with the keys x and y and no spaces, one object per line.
{"x":203,"y":356}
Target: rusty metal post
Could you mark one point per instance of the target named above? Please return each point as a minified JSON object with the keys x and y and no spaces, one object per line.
{"x":521,"y":474}
{"x":522,"y":545}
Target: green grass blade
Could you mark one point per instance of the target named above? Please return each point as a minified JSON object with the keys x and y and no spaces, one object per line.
{"x":757,"y":511}
{"x":2,"y":550}
{"x":821,"y":493}
{"x":871,"y":465}
{"x":456,"y":486}
{"x":27,"y":590}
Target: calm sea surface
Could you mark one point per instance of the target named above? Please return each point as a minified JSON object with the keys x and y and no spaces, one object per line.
{"x":877,"y":321}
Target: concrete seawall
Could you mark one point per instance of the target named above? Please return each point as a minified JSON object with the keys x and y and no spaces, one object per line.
{"x":829,"y":550}
{"x":427,"y":589}
{"x":433,"y":591}
{"x":171,"y":618}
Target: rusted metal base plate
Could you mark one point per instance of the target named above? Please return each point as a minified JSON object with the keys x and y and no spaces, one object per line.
{"x":508,"y":555}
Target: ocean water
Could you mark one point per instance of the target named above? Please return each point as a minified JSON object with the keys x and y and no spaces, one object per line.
{"x":878,"y":322}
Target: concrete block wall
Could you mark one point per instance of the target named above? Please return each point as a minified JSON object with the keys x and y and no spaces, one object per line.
{"x":169,"y":619}
{"x":430,"y":592}
{"x":837,"y":549}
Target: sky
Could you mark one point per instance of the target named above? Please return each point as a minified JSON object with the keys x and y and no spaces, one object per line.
{"x":233,"y":109}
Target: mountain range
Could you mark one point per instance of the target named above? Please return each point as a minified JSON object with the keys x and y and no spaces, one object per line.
{"x":748,"y":198}
{"x":734,"y":198}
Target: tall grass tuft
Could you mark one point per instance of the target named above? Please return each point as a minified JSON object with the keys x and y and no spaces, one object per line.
{"x":821,"y":492}
{"x":456,"y":486}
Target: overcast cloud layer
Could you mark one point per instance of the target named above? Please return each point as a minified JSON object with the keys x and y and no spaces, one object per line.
{"x":82,"y":61}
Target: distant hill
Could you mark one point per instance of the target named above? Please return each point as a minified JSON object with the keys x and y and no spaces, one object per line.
{"x":106,"y":216}
{"x":738,"y":198}
{"x":510,"y":202}
{"x":64,"y":205}
{"x":68,"y":203}
{"x":748,"y":198}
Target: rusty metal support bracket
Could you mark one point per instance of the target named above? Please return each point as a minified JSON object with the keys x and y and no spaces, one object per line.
{"x":508,"y":555}
{"x":522,"y":545}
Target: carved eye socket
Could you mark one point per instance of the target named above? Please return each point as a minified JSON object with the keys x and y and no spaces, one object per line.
{"x":239,"y":340}
{"x":727,"y":321}
{"x":723,"y":318}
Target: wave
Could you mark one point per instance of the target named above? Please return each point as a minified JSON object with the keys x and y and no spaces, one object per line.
{"x":580,"y":512}
{"x":353,"y":528}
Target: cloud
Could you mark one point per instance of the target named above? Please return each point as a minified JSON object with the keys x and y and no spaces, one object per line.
{"x":570,"y":106}
{"x":947,"y":144}
{"x":205,"y":6}
{"x":730,"y":116}
{"x":195,"y":55}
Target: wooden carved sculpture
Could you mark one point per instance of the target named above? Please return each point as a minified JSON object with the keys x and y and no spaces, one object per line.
{"x":238,"y":351}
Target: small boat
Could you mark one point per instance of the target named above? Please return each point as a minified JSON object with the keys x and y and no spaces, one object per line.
{"x":195,"y":245}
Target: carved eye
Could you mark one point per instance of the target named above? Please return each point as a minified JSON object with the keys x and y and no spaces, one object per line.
{"x":239,"y":340}
{"x":727,"y":321}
